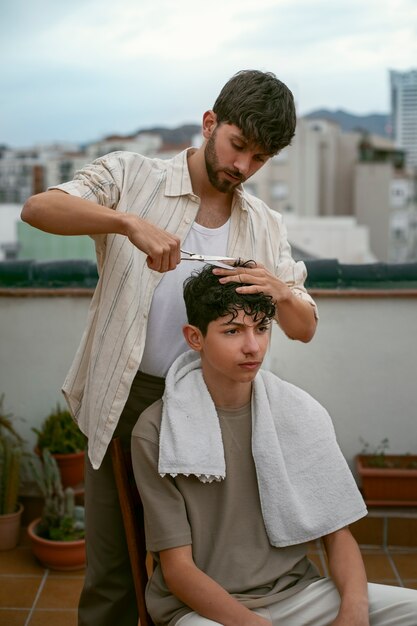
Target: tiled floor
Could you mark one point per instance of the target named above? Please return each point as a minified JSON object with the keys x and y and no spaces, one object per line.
{"x":33,"y":596}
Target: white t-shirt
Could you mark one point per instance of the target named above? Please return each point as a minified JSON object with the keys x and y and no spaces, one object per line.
{"x":167,"y":315}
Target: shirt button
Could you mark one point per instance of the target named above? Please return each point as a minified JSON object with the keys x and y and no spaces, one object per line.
{"x":187,"y":220}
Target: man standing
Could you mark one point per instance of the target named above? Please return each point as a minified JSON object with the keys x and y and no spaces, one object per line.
{"x":140,"y":212}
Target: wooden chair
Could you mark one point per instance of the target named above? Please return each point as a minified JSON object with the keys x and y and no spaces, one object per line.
{"x":132,"y":512}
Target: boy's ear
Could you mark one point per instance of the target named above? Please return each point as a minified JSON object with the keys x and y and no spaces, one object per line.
{"x":193,"y":337}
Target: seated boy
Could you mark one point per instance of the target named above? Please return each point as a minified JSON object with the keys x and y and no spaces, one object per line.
{"x":237,"y":471}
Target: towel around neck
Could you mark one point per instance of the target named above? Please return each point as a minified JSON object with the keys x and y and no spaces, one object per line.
{"x":306,"y":488}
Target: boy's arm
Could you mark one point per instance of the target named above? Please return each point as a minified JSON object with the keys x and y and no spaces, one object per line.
{"x":348,"y":573}
{"x":201,"y":593}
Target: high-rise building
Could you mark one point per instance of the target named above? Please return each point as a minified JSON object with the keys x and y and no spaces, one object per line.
{"x":404,"y":113}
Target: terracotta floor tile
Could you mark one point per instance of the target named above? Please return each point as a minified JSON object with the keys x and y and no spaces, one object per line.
{"x":9,"y":617}
{"x":18,"y":592}
{"x":53,"y":618}
{"x":24,"y":538}
{"x":75,"y":574}
{"x":402,"y":532}
{"x":60,"y":593}
{"x":406,"y":564}
{"x":19,"y":561}
{"x":369,"y":530}
{"x":411,"y":584}
{"x":378,"y":567}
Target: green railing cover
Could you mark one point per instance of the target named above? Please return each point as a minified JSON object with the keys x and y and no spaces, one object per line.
{"x":322,"y":273}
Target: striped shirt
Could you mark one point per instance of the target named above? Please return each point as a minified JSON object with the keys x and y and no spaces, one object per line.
{"x":160,"y":191}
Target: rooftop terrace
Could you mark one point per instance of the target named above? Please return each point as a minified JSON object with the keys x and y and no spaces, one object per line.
{"x":361,"y":365}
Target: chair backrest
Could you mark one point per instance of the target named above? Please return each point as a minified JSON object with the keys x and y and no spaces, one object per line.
{"x":132,"y":512}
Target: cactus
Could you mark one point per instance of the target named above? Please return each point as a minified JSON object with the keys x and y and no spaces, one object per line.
{"x":60,"y":433}
{"x":61,"y":519}
{"x":10,"y":461}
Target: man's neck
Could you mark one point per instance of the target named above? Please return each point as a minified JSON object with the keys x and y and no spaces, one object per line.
{"x":215,"y":206}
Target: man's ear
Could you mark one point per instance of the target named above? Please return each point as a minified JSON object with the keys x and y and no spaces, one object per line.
{"x":209,"y":123}
{"x":193,"y":337}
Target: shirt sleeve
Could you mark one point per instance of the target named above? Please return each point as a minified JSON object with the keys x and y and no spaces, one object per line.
{"x":292,"y":272}
{"x":99,"y":181}
{"x":166,"y":523}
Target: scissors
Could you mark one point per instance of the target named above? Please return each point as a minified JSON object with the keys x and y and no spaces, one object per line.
{"x":222,"y":261}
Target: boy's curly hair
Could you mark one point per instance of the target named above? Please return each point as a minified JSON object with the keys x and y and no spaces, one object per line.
{"x":206,"y":299}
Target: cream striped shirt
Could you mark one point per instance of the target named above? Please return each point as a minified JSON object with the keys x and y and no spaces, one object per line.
{"x":110,"y":352}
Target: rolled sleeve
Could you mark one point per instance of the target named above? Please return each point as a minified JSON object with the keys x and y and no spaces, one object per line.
{"x":99,"y":181}
{"x":293,"y":273}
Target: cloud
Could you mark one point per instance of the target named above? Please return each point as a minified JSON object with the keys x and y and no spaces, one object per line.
{"x":95,"y":66}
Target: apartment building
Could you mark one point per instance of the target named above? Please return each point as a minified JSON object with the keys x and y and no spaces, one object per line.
{"x":404,"y":113}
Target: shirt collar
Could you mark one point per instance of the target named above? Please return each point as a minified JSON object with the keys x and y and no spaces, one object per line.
{"x":178,"y":181}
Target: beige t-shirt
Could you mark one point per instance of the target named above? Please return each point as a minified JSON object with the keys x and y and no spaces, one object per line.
{"x":222,"y":521}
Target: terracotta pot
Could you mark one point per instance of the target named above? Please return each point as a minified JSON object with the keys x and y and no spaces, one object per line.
{"x":394,"y":485}
{"x":10,"y":529}
{"x":57,"y":555}
{"x":71,"y":467}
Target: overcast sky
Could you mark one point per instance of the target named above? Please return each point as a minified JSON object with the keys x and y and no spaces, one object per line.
{"x":79,"y":70}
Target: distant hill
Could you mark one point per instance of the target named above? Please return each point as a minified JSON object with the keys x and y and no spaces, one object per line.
{"x":375,"y":123}
{"x":176,"y":136}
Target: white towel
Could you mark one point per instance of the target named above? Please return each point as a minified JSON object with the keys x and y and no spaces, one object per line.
{"x":305,"y":485}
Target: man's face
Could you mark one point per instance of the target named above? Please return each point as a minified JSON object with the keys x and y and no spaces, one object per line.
{"x":232,"y":351}
{"x":230,"y":158}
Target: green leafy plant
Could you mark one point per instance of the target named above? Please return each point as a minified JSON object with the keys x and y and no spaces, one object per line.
{"x":377,"y":456}
{"x":62,"y":519}
{"x":11,"y":451}
{"x":60,"y":434}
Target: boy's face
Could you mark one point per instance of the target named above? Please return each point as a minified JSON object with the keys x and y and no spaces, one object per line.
{"x":232,"y":351}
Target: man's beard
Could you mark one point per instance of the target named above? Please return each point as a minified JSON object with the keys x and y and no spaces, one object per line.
{"x":213,"y":170}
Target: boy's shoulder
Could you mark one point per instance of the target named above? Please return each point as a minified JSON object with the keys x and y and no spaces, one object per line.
{"x":149,"y":423}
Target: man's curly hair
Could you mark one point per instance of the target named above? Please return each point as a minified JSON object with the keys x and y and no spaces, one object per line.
{"x":206,"y":299}
{"x":261,"y":106}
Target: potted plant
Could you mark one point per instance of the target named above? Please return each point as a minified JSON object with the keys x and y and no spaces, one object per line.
{"x":60,"y":434}
{"x":58,"y":536}
{"x":11,"y":450}
{"x":387,"y":479}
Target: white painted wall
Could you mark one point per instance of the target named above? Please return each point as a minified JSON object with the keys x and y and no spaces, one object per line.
{"x":361,"y":365}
